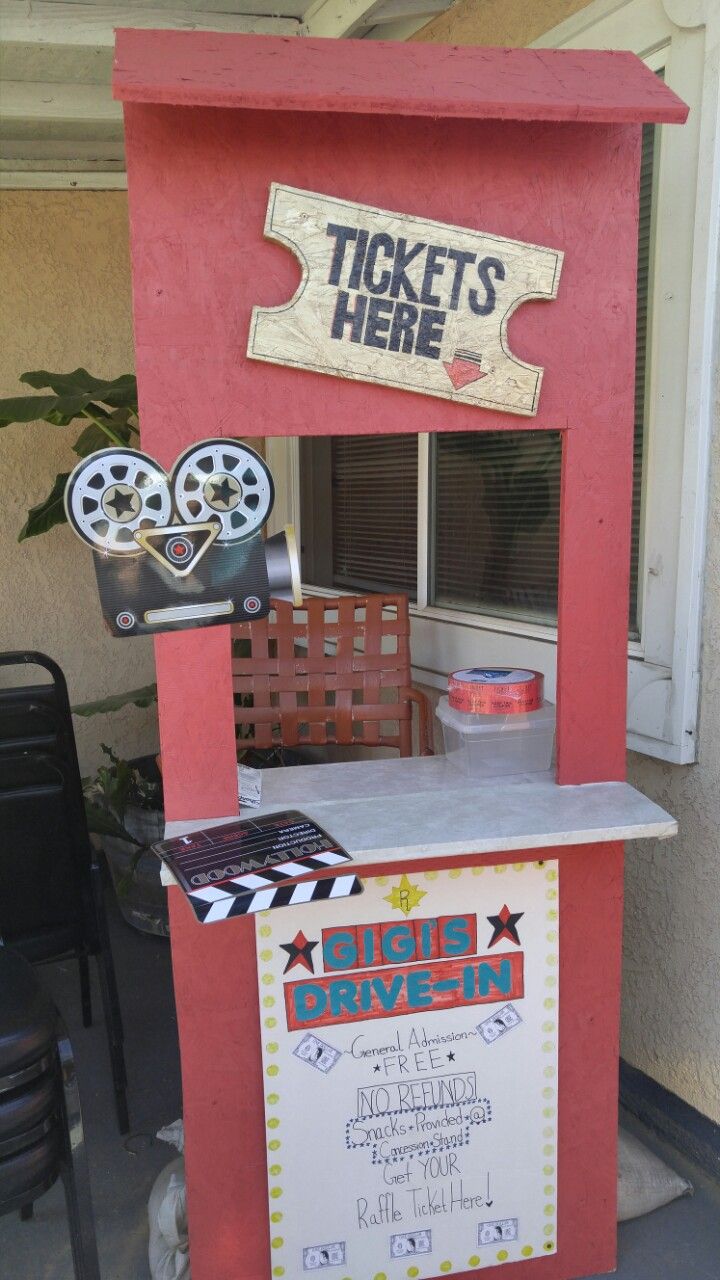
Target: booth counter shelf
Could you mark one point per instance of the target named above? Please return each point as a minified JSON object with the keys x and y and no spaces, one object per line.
{"x":288,"y":1024}
{"x":405,"y":809}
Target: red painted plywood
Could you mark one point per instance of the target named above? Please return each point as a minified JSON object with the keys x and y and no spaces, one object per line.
{"x":271,"y":73}
{"x":199,"y":182}
{"x":197,"y":724}
{"x":218,"y":1015}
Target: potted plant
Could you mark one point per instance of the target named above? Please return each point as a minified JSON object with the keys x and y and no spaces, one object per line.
{"x":124,"y":810}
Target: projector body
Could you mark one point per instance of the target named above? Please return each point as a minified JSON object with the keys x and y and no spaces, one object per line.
{"x":183,"y":551}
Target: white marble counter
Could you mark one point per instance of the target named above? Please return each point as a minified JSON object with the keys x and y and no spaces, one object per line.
{"x":402,"y":809}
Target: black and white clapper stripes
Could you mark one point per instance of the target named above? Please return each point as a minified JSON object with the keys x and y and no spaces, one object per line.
{"x":279,"y":886}
{"x":253,"y":863}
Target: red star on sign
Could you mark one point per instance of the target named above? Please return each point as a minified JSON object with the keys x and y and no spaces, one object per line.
{"x":299,"y":952}
{"x":505,"y":926}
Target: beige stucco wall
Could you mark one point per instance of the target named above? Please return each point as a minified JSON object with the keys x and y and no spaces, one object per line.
{"x":65,"y":301}
{"x":671,"y":974}
{"x":671,"y":995}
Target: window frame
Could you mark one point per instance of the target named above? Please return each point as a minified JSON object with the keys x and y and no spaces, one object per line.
{"x":663,"y":667}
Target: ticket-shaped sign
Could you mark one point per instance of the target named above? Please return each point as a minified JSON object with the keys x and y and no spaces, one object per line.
{"x":403,"y":301}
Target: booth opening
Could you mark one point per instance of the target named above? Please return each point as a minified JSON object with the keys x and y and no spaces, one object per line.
{"x":485,"y":506}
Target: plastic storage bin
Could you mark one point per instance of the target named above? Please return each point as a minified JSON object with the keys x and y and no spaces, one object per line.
{"x":488,"y":745}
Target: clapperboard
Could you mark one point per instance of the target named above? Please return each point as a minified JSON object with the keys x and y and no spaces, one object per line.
{"x":256,"y":864}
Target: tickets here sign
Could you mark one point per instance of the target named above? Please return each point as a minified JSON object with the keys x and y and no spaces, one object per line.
{"x":410,"y":1063}
{"x":403,"y":301}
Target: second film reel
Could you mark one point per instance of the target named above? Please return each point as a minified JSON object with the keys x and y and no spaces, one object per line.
{"x":225,"y":481}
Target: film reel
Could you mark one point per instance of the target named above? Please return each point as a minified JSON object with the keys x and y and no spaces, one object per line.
{"x":111,"y":494}
{"x":226,"y":481}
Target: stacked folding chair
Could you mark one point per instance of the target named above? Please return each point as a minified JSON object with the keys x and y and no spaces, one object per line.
{"x":51,"y":902}
{"x":41,"y":1133}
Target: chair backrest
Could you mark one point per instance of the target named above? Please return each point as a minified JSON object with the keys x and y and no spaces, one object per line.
{"x":329,"y":671}
{"x":45,"y":854}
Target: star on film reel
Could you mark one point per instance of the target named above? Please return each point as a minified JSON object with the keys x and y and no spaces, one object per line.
{"x":225,"y":481}
{"x":112,"y":494}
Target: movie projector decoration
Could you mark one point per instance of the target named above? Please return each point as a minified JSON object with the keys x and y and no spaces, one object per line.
{"x":185,"y":550}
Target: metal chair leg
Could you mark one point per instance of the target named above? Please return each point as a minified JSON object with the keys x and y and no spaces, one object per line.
{"x":75,"y":1172}
{"x":85,"y":989}
{"x":111,"y":1006}
{"x":111,"y":1010}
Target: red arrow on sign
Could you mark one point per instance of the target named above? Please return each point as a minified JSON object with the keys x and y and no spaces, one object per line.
{"x":463,"y":369}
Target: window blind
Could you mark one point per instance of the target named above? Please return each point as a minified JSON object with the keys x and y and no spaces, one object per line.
{"x":372,"y":512}
{"x":645,"y":238}
{"x":496,"y":505}
{"x":375,"y":483}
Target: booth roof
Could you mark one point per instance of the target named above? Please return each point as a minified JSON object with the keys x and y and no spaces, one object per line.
{"x":199,"y":68}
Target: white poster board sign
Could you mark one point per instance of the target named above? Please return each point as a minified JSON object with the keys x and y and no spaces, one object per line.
{"x":403,"y":301}
{"x":409,"y":1040}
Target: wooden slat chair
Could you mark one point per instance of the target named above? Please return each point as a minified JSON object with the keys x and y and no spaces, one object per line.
{"x":317,"y":674}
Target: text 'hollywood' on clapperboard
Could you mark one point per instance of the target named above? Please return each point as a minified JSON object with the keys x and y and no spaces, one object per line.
{"x":256,"y":864}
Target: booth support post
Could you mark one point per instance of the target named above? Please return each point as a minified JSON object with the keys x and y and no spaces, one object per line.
{"x":197,"y":728}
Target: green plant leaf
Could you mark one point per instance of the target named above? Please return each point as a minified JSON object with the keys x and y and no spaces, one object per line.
{"x":57,"y":410}
{"x":53,"y":409}
{"x":118,"y":392}
{"x":94,"y":438}
{"x":47,"y":513}
{"x":63,"y":384}
{"x":127,"y":414}
{"x":136,"y":697}
{"x":74,"y":393}
{"x":103,"y":823}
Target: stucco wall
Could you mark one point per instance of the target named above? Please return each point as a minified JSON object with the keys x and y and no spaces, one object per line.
{"x":65,"y":302}
{"x":671,"y":972}
{"x":671,"y":997}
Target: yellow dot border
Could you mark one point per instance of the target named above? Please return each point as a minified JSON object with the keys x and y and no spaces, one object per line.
{"x":549,"y":1028}
{"x":549,"y":1045}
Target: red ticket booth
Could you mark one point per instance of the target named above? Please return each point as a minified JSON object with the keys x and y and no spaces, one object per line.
{"x":264,"y":173}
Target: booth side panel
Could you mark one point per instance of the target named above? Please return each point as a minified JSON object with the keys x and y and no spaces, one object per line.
{"x":596,"y":515}
{"x":593,"y":594}
{"x":218,"y":1016}
{"x":194,"y":674}
{"x":218,"y":1010}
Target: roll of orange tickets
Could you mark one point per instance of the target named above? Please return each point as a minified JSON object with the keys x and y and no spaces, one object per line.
{"x":495,"y":691}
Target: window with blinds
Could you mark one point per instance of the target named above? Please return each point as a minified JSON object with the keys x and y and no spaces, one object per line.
{"x":494,"y":538}
{"x":359,"y":512}
{"x":645,"y":240}
{"x":494,"y":500}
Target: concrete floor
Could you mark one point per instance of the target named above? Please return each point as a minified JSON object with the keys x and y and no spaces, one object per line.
{"x":122,"y":1170}
{"x":679,"y":1242}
